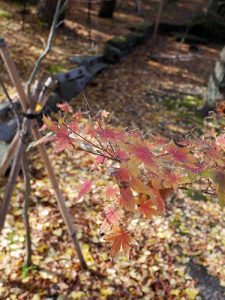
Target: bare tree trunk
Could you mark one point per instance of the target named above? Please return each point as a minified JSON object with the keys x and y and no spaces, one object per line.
{"x":107,"y":9}
{"x":46,"y":10}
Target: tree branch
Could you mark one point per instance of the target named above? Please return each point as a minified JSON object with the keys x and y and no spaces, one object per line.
{"x":48,"y":46}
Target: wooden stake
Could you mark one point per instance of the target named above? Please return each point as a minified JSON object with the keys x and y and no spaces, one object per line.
{"x":13,"y":75}
{"x":26,"y":105}
{"x":9,"y":155}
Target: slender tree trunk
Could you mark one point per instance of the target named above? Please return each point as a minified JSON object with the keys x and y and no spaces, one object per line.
{"x":107,"y":9}
{"x":46,"y":10}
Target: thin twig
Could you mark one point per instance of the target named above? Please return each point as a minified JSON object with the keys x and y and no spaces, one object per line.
{"x":97,"y":153}
{"x":90,"y":143}
{"x":100,"y":126}
{"x":158,"y":18}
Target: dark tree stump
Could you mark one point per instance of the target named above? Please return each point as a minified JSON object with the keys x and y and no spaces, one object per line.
{"x":107,"y":9}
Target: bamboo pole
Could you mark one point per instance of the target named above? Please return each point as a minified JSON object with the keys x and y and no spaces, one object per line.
{"x":9,"y":155}
{"x":12,"y":177}
{"x":59,"y":197}
{"x":10,"y":66}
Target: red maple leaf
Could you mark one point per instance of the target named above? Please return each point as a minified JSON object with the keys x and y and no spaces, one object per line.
{"x":146,"y":206}
{"x":110,"y":134}
{"x":111,"y":217}
{"x":127,"y":199}
{"x":143,"y":153}
{"x":121,"y":174}
{"x":62,"y":139}
{"x":111,"y":192}
{"x":85,"y":189}
{"x":181,"y":155}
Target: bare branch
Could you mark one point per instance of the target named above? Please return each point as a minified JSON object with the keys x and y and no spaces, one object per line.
{"x":48,"y":46}
{"x":158,"y":18}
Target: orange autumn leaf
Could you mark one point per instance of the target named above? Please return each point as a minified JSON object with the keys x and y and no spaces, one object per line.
{"x":180,"y":155}
{"x":142,"y":152}
{"x":146,"y":207}
{"x":120,"y":240}
{"x":165,"y":193}
{"x":111,"y":192}
{"x":137,"y":185}
{"x":127,"y":198}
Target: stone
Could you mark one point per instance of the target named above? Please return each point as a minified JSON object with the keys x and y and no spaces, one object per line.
{"x":3,"y":149}
{"x":72,"y":74}
{"x":97,"y":68}
{"x":112,"y":54}
{"x":8,"y":130}
{"x":146,"y":28}
{"x":190,"y":39}
{"x":216,"y":84}
{"x":51,"y":104}
{"x":208,"y":285}
{"x":4,"y":108}
{"x":87,"y":60}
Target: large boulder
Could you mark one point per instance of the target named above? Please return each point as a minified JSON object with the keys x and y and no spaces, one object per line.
{"x":216,"y":84}
{"x":8,"y":130}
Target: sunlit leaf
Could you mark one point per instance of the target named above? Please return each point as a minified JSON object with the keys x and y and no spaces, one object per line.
{"x":111,"y":217}
{"x":85,"y":189}
{"x":120,"y":240}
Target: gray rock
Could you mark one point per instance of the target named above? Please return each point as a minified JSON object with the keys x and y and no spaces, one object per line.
{"x":112,"y":54}
{"x":4,"y":108}
{"x":3,"y":150}
{"x":87,"y":60}
{"x":53,"y":99}
{"x":8,"y":130}
{"x":96,"y":68}
{"x":72,"y":74}
{"x":208,"y":285}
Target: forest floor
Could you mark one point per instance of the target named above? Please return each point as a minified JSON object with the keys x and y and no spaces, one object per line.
{"x":159,"y":96}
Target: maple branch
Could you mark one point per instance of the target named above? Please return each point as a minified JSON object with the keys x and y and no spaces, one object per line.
{"x":92,"y":144}
{"x":98,"y":153}
{"x":202,"y":191}
{"x":100,"y":126}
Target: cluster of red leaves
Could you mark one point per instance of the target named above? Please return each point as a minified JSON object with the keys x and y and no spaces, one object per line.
{"x":145,"y":172}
